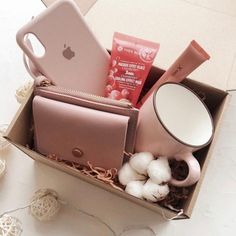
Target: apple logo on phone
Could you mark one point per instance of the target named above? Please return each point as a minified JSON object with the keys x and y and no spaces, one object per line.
{"x":68,"y":53}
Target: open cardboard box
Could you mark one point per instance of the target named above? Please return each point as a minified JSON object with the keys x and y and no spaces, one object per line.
{"x":19,"y":134}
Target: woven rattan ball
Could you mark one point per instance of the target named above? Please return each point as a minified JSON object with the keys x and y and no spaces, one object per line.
{"x":10,"y":226}
{"x":23,"y":91}
{"x":3,"y":142}
{"x":2,"y":167}
{"x":44,"y":205}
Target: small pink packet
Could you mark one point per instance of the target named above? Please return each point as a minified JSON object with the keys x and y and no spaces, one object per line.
{"x":131,"y":60}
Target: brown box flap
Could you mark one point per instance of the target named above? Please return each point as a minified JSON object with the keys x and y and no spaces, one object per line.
{"x":84,"y":5}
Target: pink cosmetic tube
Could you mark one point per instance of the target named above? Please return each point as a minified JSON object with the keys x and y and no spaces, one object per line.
{"x":192,"y":57}
{"x":131,"y":61}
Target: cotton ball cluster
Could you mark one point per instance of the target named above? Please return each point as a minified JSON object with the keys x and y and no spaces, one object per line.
{"x":145,"y":177}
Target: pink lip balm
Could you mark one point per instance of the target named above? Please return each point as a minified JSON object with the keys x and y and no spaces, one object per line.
{"x":192,"y":57}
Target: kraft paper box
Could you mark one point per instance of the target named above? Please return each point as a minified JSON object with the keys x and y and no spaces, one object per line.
{"x":19,"y":134}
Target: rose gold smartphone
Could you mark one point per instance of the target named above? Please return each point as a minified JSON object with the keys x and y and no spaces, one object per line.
{"x":73,"y":58}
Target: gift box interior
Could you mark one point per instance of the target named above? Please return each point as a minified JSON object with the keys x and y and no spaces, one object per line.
{"x":20,"y":134}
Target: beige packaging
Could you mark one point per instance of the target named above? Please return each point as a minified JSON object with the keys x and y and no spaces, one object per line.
{"x":216,"y":100}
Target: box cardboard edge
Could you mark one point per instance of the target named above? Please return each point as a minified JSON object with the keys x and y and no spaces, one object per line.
{"x":10,"y":135}
{"x":24,"y":108}
{"x":84,"y":5}
{"x":222,"y":110}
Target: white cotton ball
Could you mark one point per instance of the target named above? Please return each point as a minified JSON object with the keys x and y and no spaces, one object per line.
{"x":140,"y":162}
{"x":154,"y":192}
{"x":135,"y":188}
{"x":128,"y":174}
{"x":159,"y":170}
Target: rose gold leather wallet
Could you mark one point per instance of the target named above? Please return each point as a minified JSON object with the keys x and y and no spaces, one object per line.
{"x":80,"y":127}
